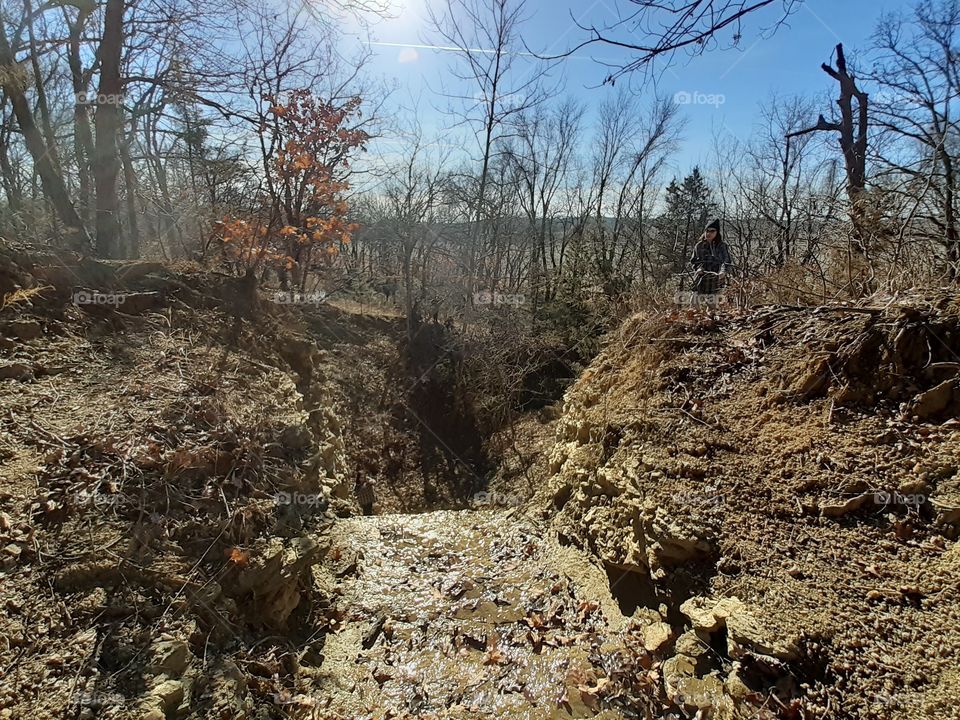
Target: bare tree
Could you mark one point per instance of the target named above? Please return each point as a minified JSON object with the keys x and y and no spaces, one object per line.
{"x":777,"y":176}
{"x":629,"y":155}
{"x":15,"y":82}
{"x":486,"y":35}
{"x":853,"y":139}
{"x":108,"y":122}
{"x":413,"y":193}
{"x":668,"y":26}
{"x":541,"y":159}
{"x":917,"y":65}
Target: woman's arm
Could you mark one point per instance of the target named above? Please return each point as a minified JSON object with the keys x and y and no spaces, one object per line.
{"x":725,"y":261}
{"x":696,"y":259}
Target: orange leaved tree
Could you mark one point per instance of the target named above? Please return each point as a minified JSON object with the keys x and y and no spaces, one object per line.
{"x":307,"y":165}
{"x":247,"y":244}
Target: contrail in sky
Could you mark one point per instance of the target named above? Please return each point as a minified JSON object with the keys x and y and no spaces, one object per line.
{"x":449,"y":48}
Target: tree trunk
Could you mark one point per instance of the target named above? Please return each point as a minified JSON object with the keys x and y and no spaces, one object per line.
{"x":130,"y":183}
{"x":853,"y":140}
{"x":166,"y":222}
{"x":8,"y":175}
{"x":106,"y":165}
{"x":43,"y":107}
{"x":54,"y":187}
{"x":408,"y":248}
{"x":949,"y":212}
{"x":82,"y":134}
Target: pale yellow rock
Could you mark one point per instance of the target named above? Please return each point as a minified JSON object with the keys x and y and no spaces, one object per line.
{"x":170,"y":658}
{"x":746,"y":632}
{"x":695,"y":644}
{"x":656,"y":636}
{"x":677,"y":668}
{"x":735,"y":686}
{"x":169,"y":693}
{"x":704,"y":694}
{"x":709,"y":614}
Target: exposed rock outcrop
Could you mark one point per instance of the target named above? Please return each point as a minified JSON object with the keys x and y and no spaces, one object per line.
{"x":774,"y":485}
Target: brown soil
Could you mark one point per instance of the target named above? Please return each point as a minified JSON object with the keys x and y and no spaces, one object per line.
{"x":750,"y":516}
{"x":164,"y":495}
{"x":784,"y":485}
{"x":171,"y":467}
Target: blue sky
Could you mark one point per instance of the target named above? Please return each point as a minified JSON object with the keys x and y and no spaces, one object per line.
{"x":788,"y":62}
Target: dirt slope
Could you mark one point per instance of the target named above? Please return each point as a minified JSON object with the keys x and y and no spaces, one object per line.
{"x":782,"y":486}
{"x":754,"y":516}
{"x":173,"y":463}
{"x":168,"y":469}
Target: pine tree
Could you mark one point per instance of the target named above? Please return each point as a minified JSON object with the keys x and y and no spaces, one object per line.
{"x":689,"y":207}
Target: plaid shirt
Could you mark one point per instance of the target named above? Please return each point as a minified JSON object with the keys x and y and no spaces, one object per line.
{"x":363,"y":491}
{"x":710,"y":256}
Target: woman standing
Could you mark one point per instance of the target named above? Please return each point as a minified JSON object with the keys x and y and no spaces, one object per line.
{"x":710,"y":261}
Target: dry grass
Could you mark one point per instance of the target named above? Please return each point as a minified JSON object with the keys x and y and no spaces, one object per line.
{"x":23,"y":296}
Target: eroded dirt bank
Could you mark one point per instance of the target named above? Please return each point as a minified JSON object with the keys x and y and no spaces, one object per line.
{"x":155,"y":555}
{"x":783,"y":487}
{"x":746,"y":517}
{"x":174,"y":470}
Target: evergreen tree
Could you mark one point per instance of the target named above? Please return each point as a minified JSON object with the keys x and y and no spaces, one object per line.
{"x":690,"y":205}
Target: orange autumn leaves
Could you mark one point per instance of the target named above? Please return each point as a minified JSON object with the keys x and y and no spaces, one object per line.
{"x":315,"y":148}
{"x":310,"y":150}
{"x":245,"y":242}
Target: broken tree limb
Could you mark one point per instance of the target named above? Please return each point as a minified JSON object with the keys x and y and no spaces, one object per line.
{"x":853,"y":138}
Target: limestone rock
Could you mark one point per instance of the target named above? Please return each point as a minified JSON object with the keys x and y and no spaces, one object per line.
{"x":169,"y":694}
{"x":676,"y":668}
{"x":275,"y":577}
{"x":695,"y":644}
{"x":710,"y":615}
{"x":671,"y":542}
{"x":948,"y":515}
{"x":706,"y":694}
{"x":935,"y":400}
{"x":170,"y":658}
{"x":735,"y":686}
{"x":835,"y":510}
{"x":656,"y":636}
{"x":748,"y":633}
